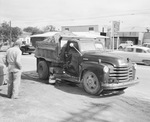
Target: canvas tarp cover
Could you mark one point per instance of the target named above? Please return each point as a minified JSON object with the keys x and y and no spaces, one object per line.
{"x":50,"y":47}
{"x":57,"y":36}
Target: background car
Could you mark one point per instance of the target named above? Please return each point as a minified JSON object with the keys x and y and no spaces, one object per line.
{"x":122,"y":46}
{"x":146,"y":45}
{"x":137,"y":54}
{"x":27,"y":49}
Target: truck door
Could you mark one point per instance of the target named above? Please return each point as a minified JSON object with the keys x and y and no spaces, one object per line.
{"x":72,"y":57}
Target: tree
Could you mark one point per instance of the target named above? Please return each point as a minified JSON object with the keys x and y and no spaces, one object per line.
{"x":15,"y":32}
{"x":8,"y":33}
{"x":33,"y":30}
{"x":5,"y":31}
{"x":49,"y":28}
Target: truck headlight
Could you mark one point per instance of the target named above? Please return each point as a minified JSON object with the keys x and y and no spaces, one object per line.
{"x":105,"y":69}
{"x":135,"y":66}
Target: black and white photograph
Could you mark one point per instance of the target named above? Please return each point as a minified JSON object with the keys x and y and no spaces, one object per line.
{"x":74,"y":61}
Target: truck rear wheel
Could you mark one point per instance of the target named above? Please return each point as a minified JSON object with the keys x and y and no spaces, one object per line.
{"x":91,"y":84}
{"x":43,"y":70}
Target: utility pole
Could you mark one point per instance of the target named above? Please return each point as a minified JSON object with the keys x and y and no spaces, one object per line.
{"x":10,"y":40}
{"x":112,"y":35}
{"x":114,"y":31}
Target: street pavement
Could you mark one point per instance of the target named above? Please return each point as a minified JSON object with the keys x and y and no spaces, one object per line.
{"x":66,"y":102}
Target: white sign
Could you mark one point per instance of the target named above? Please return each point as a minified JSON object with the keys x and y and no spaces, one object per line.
{"x":116,"y":26}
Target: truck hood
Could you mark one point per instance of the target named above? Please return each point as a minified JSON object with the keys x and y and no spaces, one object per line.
{"x":105,"y":57}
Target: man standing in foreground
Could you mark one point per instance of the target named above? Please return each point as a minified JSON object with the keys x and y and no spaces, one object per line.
{"x":12,"y":60}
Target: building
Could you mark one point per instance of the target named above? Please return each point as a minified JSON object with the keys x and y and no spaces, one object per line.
{"x":130,"y":34}
{"x":25,"y":38}
{"x":123,"y":37}
{"x":83,"y":28}
{"x":87,"y":30}
{"x":137,"y":35}
{"x":146,"y":38}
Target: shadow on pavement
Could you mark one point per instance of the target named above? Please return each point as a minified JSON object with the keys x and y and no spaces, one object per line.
{"x":3,"y":95}
{"x":30,"y":75}
{"x":90,"y":114}
{"x":74,"y":88}
{"x":112,"y":111}
{"x":68,"y":87}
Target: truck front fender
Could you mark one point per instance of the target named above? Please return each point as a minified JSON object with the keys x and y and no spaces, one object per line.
{"x":95,"y":67}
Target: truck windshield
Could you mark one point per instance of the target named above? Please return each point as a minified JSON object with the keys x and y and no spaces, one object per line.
{"x":91,"y":46}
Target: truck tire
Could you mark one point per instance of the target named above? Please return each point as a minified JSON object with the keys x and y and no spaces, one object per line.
{"x":91,"y":84}
{"x":43,"y":70}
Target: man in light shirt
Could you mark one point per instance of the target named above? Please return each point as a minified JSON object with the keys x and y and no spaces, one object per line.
{"x":12,"y":60}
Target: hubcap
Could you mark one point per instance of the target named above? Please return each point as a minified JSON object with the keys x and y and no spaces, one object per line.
{"x":91,"y":82}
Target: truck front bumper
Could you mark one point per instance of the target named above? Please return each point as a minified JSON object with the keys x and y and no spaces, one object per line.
{"x":114,"y":86}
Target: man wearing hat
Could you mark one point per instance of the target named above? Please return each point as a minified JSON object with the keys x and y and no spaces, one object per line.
{"x":12,"y":60}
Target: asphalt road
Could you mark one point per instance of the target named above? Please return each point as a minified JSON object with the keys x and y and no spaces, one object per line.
{"x":65,"y":102}
{"x":143,"y":73}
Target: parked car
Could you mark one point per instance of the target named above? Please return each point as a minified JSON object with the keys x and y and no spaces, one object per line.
{"x":135,"y":53}
{"x":146,"y":45}
{"x":122,"y":46}
{"x":27,"y":49}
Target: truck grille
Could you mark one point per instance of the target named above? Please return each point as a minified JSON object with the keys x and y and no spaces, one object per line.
{"x":121,"y":74}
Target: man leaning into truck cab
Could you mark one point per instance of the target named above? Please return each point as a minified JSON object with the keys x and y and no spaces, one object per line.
{"x":62,"y":52}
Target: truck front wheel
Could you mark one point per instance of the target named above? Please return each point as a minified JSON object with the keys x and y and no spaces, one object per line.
{"x":43,"y":70}
{"x":91,"y":84}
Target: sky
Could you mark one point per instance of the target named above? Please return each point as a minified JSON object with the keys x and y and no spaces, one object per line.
{"x":39,"y":13}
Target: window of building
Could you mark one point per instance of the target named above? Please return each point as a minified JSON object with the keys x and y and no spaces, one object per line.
{"x":91,"y":28}
{"x":67,"y":29}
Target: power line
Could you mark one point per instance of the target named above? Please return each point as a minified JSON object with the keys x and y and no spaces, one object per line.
{"x":85,"y":18}
{"x":135,"y":12}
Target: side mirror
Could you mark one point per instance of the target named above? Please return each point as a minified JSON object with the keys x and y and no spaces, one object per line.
{"x":71,"y":45}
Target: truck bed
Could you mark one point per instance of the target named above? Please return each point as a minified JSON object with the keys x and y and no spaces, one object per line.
{"x":47,"y":50}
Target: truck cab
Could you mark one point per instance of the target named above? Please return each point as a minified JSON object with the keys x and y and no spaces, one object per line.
{"x":85,"y":61}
